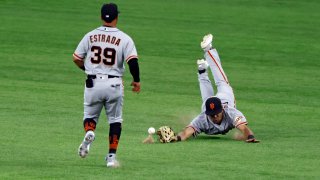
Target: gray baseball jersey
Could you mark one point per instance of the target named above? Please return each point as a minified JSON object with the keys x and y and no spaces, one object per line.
{"x":104,"y":51}
{"x":232,"y":118}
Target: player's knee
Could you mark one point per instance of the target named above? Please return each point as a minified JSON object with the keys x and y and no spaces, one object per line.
{"x":113,"y":120}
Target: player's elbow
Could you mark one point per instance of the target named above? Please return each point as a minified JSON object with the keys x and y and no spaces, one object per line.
{"x":75,"y":59}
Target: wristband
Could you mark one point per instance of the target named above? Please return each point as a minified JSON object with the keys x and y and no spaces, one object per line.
{"x":251,"y":136}
{"x":178,"y":138}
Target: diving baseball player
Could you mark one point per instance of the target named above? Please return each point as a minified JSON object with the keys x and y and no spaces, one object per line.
{"x":102,"y":54}
{"x":219,"y":114}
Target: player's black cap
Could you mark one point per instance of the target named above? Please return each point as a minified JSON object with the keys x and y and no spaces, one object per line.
{"x":109,"y":12}
{"x":213,"y":106}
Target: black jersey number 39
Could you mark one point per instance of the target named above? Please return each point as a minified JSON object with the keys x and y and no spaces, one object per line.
{"x":108,"y":56}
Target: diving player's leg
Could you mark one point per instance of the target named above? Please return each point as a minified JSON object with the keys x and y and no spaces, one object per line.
{"x":224,"y":90}
{"x":206,"y":88}
{"x":212,"y":57}
{"x":217,"y":71}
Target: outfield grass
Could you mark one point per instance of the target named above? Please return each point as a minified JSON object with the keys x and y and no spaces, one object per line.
{"x":269,"y":50}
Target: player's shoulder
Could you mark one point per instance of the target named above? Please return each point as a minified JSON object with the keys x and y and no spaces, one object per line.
{"x":102,"y":29}
{"x":200,"y":121}
{"x":232,"y":112}
{"x":127,"y":36}
{"x":93,"y":31}
{"x":115,"y":31}
{"x":200,"y":116}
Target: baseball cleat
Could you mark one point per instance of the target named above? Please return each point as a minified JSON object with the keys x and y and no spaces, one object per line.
{"x":85,"y":145}
{"x":202,"y":64}
{"x":206,"y":43}
{"x":111,"y":161}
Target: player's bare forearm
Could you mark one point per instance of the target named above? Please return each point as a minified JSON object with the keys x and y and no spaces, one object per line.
{"x":79,"y":63}
{"x":186,"y":133}
{"x":247,"y":133}
{"x":245,"y":130}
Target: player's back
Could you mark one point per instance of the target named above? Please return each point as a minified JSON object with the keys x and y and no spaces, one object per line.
{"x":107,"y":49}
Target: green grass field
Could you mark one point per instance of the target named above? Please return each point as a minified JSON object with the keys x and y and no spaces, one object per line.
{"x":269,"y":50}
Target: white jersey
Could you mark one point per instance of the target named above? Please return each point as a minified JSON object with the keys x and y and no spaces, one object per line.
{"x":104,"y":51}
{"x":231,"y":119}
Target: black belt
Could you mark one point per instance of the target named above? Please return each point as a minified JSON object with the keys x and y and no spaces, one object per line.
{"x":93,"y":76}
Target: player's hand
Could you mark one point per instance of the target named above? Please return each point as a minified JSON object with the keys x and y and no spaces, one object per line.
{"x":174,"y":139}
{"x":253,"y":140}
{"x":136,"y":87}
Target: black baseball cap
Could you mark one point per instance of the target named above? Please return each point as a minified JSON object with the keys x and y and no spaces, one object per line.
{"x":213,"y":106}
{"x":109,"y":12}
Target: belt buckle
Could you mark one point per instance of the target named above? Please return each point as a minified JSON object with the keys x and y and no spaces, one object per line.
{"x":102,"y":76}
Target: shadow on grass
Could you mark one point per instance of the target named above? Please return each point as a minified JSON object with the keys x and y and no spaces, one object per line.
{"x":212,"y":137}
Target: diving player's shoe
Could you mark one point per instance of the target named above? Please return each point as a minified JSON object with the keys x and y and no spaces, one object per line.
{"x":112,"y":161}
{"x":202,"y":64}
{"x":85,"y":145}
{"x":206,"y":43}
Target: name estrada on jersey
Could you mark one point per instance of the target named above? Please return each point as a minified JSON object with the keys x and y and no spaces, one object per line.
{"x":104,"y":49}
{"x":104,"y":38}
{"x":231,"y":118}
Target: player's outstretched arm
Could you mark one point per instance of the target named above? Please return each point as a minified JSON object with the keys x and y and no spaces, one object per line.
{"x":185,"y":134}
{"x":247,"y":134}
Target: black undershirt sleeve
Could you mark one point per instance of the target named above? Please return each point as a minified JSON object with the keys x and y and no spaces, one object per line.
{"x":134,"y":69}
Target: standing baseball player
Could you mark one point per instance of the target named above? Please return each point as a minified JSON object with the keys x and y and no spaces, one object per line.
{"x":219,"y":114}
{"x":102,"y":54}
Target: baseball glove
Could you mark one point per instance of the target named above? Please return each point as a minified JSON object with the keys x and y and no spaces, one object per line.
{"x":166,"y":134}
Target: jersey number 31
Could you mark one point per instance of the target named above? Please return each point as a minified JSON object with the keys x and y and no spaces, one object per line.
{"x":108,"y":55}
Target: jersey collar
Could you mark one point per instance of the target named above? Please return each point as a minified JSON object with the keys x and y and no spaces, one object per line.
{"x":108,"y":29}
